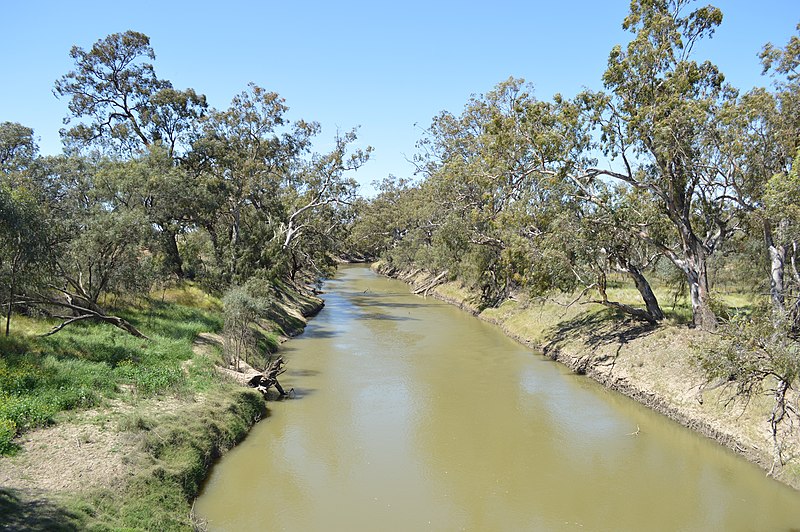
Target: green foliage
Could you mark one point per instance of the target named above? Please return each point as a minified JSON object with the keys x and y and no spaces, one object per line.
{"x":750,"y":351}
{"x":8,"y":429}
{"x":85,"y":363}
{"x":753,"y":354}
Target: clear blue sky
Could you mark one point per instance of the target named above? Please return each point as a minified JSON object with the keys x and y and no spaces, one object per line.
{"x":387,"y":67}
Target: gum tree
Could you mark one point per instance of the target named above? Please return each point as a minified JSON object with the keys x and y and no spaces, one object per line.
{"x":655,"y":117}
{"x":118,"y":104}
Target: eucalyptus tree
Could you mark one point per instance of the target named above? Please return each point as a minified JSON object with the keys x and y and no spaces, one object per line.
{"x":517,"y":213}
{"x":18,"y":148}
{"x":399,"y":224}
{"x":762,"y":134}
{"x":481,"y":171}
{"x":23,"y":224}
{"x":94,"y":244}
{"x":120,"y":106}
{"x":269,"y":190}
{"x":593,"y":235}
{"x":318,"y":201}
{"x":655,"y":118}
{"x":119,"y":102}
{"x":243,"y":156}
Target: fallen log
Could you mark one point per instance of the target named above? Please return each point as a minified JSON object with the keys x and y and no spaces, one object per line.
{"x":261,"y":381}
{"x":429,"y":285}
{"x":243,"y":378}
{"x":269,"y":377}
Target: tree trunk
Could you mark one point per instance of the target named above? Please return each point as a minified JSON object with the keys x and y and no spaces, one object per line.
{"x":697,"y":279}
{"x":649,"y":298}
{"x":173,"y":256}
{"x":10,"y":304}
{"x":12,"y":286}
{"x":777,"y":264}
{"x":234,"y":244}
{"x":295,"y":267}
{"x":639,"y":314}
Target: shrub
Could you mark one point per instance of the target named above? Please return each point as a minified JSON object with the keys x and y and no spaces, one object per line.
{"x":8,"y":429}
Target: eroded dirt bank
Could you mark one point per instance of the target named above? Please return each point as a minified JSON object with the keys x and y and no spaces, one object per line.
{"x":652,"y":365}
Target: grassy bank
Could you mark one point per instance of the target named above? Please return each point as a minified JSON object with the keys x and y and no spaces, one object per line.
{"x":655,"y":365}
{"x":103,"y":431}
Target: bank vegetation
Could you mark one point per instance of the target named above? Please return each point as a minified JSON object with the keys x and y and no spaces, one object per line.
{"x":164,"y":220}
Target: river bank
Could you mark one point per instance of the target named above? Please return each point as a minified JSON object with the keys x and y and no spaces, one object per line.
{"x":134,"y":461}
{"x":652,"y":365}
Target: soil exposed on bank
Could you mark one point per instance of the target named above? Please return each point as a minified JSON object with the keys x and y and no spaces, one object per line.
{"x":654,"y":365}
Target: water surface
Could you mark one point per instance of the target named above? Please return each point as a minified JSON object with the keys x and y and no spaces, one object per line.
{"x":410,"y":414}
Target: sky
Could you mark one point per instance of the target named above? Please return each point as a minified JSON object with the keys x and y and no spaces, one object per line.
{"x":385,"y":67}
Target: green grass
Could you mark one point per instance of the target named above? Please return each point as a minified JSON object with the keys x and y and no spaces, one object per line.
{"x":86,"y":362}
{"x":175,"y":406}
{"x":177,"y":450}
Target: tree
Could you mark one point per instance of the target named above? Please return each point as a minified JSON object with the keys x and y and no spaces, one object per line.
{"x":656,"y":119}
{"x":782,"y":207}
{"x":124,"y":108}
{"x":17,"y":148}
{"x":782,"y":191}
{"x":244,"y":159}
{"x":507,"y":169}
{"x":94,"y":244}
{"x":121,"y":102}
{"x":111,"y":87}
{"x":759,"y":133}
{"x":241,"y":311}
{"x":317,"y":204}
{"x":378,"y":224}
{"x":751,"y":354}
{"x":269,"y":193}
{"x":23,"y":242}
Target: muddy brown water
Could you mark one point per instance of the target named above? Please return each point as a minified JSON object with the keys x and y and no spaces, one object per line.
{"x":410,"y":414}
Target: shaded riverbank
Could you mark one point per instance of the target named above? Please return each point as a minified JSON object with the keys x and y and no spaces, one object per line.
{"x":652,"y":365}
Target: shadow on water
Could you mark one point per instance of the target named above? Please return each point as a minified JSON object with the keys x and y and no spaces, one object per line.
{"x":18,"y":512}
{"x":320,"y":333}
{"x":303,"y":372}
{"x":386,"y":317}
{"x":297,"y":393}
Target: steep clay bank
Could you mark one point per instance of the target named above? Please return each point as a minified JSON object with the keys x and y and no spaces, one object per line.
{"x":652,"y":365}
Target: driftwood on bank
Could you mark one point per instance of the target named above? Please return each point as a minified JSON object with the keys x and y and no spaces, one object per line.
{"x":424,"y":289}
{"x":80,"y":308}
{"x":261,"y":381}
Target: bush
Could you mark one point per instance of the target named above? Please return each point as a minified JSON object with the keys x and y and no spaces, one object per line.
{"x":8,"y":429}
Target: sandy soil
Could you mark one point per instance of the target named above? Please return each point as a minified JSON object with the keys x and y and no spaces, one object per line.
{"x":70,"y":456}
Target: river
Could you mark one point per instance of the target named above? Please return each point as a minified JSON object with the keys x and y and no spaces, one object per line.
{"x":409,"y":414}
